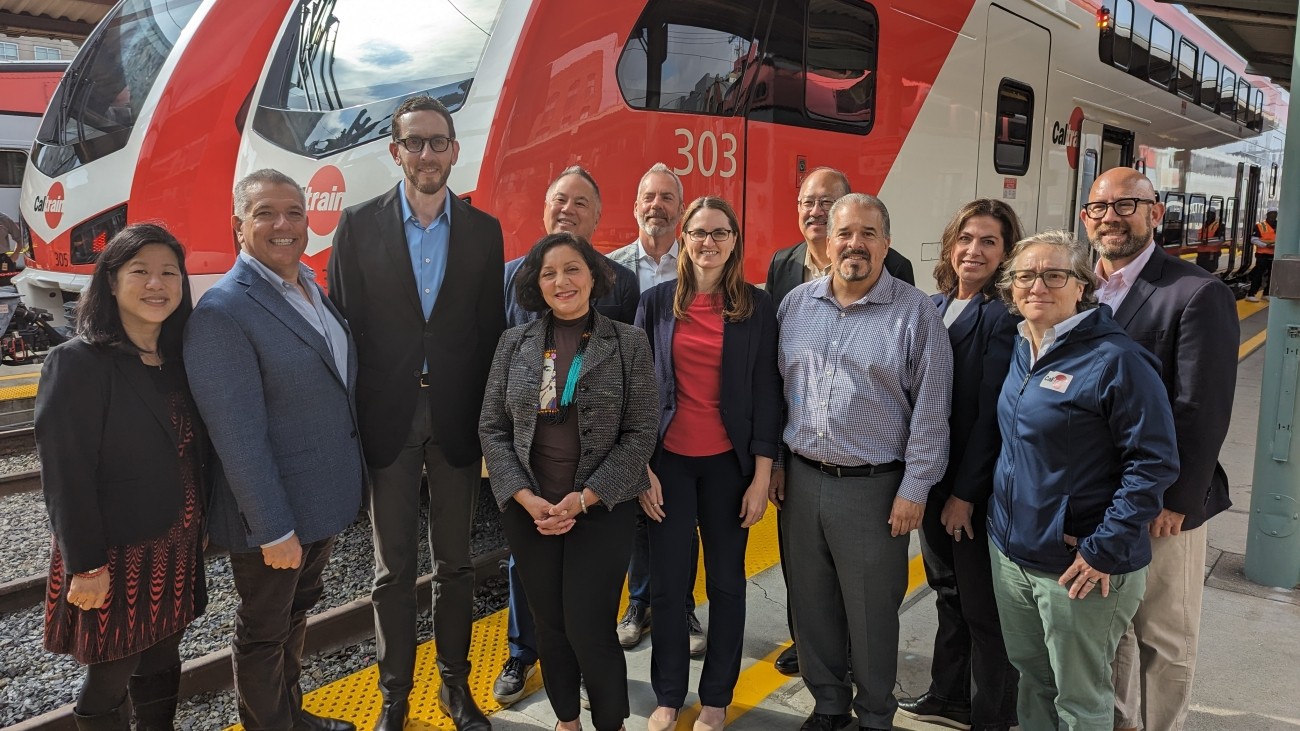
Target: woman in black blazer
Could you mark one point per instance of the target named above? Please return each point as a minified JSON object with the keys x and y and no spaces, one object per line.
{"x":122,"y":453}
{"x":714,"y":342}
{"x":954,"y":547}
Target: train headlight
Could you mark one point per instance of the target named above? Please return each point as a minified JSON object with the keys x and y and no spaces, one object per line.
{"x":91,"y":237}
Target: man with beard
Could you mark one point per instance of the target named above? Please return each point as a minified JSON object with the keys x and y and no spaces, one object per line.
{"x":653,"y":256}
{"x":867,"y":367}
{"x":790,"y":267}
{"x":418,"y":272}
{"x":1183,"y":315}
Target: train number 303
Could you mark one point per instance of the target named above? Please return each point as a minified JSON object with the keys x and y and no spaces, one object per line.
{"x":703,"y":154}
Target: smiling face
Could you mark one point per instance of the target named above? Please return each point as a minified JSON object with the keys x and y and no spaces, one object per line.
{"x":977,"y":253}
{"x":274,"y":228}
{"x":658,"y":206}
{"x":147,"y":287}
{"x":566,"y":282}
{"x":708,"y":255}
{"x":572,"y":206}
{"x":858,"y":243}
{"x":1121,"y":238}
{"x":818,"y":190}
{"x":426,"y":170}
{"x":1040,"y":305}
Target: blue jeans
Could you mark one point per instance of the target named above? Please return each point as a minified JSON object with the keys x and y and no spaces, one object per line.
{"x":520,"y":630}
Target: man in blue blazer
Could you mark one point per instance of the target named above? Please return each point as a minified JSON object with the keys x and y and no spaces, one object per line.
{"x":272,"y":368}
{"x":1187,"y":318}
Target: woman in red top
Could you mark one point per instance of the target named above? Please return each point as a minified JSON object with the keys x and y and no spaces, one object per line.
{"x":714,"y":341}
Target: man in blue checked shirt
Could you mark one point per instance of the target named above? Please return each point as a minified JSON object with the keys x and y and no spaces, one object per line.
{"x":868,"y":371}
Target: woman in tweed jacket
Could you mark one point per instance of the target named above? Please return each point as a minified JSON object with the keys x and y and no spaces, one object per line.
{"x":570,"y":419}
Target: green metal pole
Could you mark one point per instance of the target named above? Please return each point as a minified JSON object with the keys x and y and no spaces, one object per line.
{"x":1273,"y":541}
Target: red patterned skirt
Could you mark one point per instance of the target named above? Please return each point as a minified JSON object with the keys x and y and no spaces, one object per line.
{"x":156,"y":589}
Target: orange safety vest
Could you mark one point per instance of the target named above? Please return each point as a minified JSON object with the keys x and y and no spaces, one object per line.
{"x":1208,"y":232}
{"x":1267,"y":234}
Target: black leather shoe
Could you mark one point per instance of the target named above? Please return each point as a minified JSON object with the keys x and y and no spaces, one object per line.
{"x":392,"y":717}
{"x":456,"y":701}
{"x":827,"y":722}
{"x":930,"y":707}
{"x":309,"y":721}
{"x":787,"y":663}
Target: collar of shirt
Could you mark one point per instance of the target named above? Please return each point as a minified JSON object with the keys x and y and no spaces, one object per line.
{"x":810,"y":269}
{"x":408,"y":216}
{"x":643,"y":256}
{"x":282,"y":285}
{"x":882,"y":292}
{"x":1053,"y":334}
{"x":1111,"y":291}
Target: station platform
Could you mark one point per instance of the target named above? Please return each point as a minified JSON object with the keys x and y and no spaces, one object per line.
{"x":1248,"y":669}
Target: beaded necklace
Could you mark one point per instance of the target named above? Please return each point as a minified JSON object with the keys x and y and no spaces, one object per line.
{"x":550,"y":408}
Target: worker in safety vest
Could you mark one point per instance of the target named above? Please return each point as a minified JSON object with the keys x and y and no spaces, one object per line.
{"x":1209,"y":242}
{"x":1265,"y":235}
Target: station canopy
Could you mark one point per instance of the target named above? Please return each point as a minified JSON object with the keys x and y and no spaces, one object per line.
{"x":70,"y":19}
{"x":1262,"y":31}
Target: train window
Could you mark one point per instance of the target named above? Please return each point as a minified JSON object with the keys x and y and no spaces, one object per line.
{"x":1209,"y":81}
{"x":689,"y":57}
{"x":1122,"y":48}
{"x":1171,"y":228}
{"x":1272,"y":183}
{"x":840,"y":62}
{"x":1257,"y":122}
{"x":1227,"y":85}
{"x":1243,"y":101}
{"x":1230,"y":211}
{"x":12,"y":163}
{"x":1012,"y":133}
{"x":1160,"y":69}
{"x":1194,"y":216}
{"x":337,"y":76}
{"x":1213,"y":227}
{"x":1186,"y":69}
{"x":96,"y":105}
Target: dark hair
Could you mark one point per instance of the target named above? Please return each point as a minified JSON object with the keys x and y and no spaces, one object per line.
{"x":97,"y":318}
{"x":945,"y":277}
{"x":739,"y":302}
{"x":422,"y":103}
{"x":528,"y":292}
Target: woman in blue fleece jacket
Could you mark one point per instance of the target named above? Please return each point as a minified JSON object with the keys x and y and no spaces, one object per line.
{"x":1088,"y":450}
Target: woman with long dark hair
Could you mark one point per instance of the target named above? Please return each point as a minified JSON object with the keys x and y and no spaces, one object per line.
{"x":122,"y":452}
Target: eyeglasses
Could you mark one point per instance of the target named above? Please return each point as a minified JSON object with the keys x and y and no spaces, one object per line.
{"x":1053,"y":278}
{"x":718,"y":234}
{"x":809,"y":204}
{"x":1123,"y":207}
{"x":415,"y":145}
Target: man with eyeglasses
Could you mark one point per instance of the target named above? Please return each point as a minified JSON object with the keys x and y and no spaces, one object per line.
{"x":805,"y":261}
{"x":867,"y":368}
{"x":418,"y":274}
{"x":1187,"y":318}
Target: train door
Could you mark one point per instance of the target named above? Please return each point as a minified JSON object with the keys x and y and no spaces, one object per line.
{"x":1015,"y":95}
{"x":1250,"y":214}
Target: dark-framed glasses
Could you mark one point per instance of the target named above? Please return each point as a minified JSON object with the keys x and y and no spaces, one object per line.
{"x":415,"y":145}
{"x":1053,"y":278}
{"x":717,"y":234}
{"x":1123,"y":207}
{"x":811,"y":204}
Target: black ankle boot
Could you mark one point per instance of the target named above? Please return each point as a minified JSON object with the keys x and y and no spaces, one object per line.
{"x":153,"y":699}
{"x":117,"y":719}
{"x":456,"y":701}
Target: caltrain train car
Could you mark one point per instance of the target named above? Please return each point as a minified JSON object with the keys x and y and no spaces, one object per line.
{"x":928,"y":104}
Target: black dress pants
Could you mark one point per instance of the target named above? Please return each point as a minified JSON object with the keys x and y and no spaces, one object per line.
{"x":1263,"y":268}
{"x":970,"y":661}
{"x":574,"y":582}
{"x":106,"y":682}
{"x":270,"y":628}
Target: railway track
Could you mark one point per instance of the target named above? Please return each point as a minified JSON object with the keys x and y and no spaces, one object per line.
{"x":17,"y":482}
{"x":17,"y":439}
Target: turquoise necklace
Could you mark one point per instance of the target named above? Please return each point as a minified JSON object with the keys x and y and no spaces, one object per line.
{"x":554,"y":411}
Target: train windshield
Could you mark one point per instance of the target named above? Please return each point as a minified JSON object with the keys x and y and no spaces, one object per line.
{"x":338,"y":75}
{"x":103,"y":92}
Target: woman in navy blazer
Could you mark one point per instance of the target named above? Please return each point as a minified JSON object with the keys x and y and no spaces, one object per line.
{"x":714,"y":341}
{"x":968,"y":641}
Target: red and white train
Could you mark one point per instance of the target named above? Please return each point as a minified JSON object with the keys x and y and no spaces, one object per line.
{"x":929,"y":104}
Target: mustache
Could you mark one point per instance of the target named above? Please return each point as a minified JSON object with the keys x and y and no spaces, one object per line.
{"x":815,"y":219}
{"x":859,"y":251}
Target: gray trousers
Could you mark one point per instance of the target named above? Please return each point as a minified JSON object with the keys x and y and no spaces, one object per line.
{"x":847,"y":579}
{"x":395,"y":520}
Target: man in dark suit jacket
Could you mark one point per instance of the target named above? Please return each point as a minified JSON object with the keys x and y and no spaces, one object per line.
{"x":1188,"y":319}
{"x":794,"y":265}
{"x":273,"y":372}
{"x":418,"y":272}
{"x":804,"y":262}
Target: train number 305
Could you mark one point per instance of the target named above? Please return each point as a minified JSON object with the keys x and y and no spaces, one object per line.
{"x":702,"y":155}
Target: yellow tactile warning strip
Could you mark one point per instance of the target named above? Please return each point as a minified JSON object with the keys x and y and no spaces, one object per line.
{"x":13,"y":393}
{"x":356,"y":697}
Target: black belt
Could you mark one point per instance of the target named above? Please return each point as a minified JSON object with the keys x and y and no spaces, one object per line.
{"x":866,"y":470}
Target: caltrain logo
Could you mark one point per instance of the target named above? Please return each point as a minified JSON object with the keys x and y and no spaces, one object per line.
{"x":1069,"y":137}
{"x":325,"y":200}
{"x":51,"y":204}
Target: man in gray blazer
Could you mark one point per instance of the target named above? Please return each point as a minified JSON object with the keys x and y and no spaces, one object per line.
{"x":273,"y":369}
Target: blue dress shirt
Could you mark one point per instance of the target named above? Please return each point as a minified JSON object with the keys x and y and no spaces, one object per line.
{"x":428,"y":248}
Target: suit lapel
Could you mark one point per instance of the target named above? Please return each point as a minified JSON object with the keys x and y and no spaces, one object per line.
{"x":793,"y":273}
{"x":965,"y":323}
{"x":460,"y":247}
{"x":135,"y":374}
{"x":1142,"y":289}
{"x":528,"y":368}
{"x":263,"y":293}
{"x":603,"y":344}
{"x":391,"y":231}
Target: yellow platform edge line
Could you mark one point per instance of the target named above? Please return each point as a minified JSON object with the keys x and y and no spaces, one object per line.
{"x":1251,"y":345}
{"x":13,"y":393}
